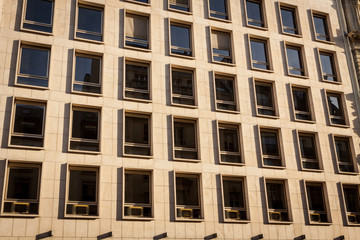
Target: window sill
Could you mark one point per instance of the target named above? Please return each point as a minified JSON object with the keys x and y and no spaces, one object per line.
{"x":323,"y":41}
{"x":137,"y":49}
{"x":187,"y":160}
{"x":280,"y":222}
{"x":267,"y":116}
{"x":181,"y":56}
{"x":304,"y":121}
{"x":84,"y":152}
{"x":80,"y":217}
{"x":332,"y":82}
{"x":273,"y":167}
{"x":137,"y":156}
{"x":26,"y":147}
{"x":35,"y":31}
{"x":349,"y":173}
{"x":237,"y":221}
{"x":30,"y":86}
{"x":137,"y":100}
{"x":262,"y":70}
{"x":88,"y":40}
{"x":312,"y":170}
{"x":339,"y":125}
{"x":227,"y":111}
{"x":220,"y":20}
{"x":19,"y":215}
{"x":232,"y":164}
{"x":140,"y":3}
{"x":298,"y":76}
{"x":222,"y":63}
{"x":291,"y":34}
{"x":321,"y":224}
{"x":138,"y":218}
{"x":255,"y":27}
{"x":184,"y":106}
{"x":353,"y":224}
{"x":87,"y":93}
{"x":179,"y":11}
{"x":188,"y":220}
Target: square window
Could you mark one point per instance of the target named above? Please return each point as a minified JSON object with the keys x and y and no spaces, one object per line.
{"x":219,"y":9}
{"x":180,"y":5}
{"x":188,"y":204}
{"x":183,"y":87}
{"x":295,"y":59}
{"x":181,"y":39}
{"x":221,"y":47}
{"x":289,"y":19}
{"x":28,"y":124}
{"x":137,"y":134}
{"x":138,"y":201}
{"x":22,"y":189}
{"x":260,"y":54}
{"x":328,"y":66}
{"x":87,"y":73}
{"x":137,"y":30}
{"x":85,"y":129}
{"x":321,"y":26}
{"x":317,"y":203}
{"x":302,"y":104}
{"x":344,"y":152}
{"x":90,"y":22}
{"x":33,"y":66}
{"x":309,"y":151}
{"x":255,"y":14}
{"x":235,"y":204}
{"x":82,"y":192}
{"x":38,"y":15}
{"x":265,"y":99}
{"x":225,"y":88}
{"x":271,"y":147}
{"x":352,"y":203}
{"x":230,"y":143}
{"x":278,"y":202}
{"x":185,"y":139}
{"x":336,"y":109}
{"x":137,"y":80}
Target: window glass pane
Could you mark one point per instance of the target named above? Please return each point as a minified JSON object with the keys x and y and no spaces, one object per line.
{"x":137,"y":188}
{"x":218,"y":9}
{"x":229,"y":139}
{"x":301,"y":100}
{"x":182,"y":5}
{"x":82,"y":186}
{"x":85,"y":124}
{"x":316,"y":198}
{"x":137,"y":76}
{"x":233,"y":194}
{"x":254,"y":13}
{"x":275,"y":194}
{"x":307,"y":146}
{"x":29,"y":119}
{"x":23,"y":183}
{"x":343,"y":150}
{"x":259,"y":54}
{"x":185,"y":134}
{"x":34,"y":62}
{"x":264,"y":95}
{"x":39,"y":11}
{"x":87,"y":69}
{"x":335,"y":107}
{"x":351,"y":194}
{"x":180,"y":40}
{"x":187,"y":191}
{"x":225,"y":89}
{"x":288,"y":20}
{"x":294,"y":59}
{"x":90,"y":19}
{"x":327,"y":66}
{"x":143,"y":1}
{"x":182,"y":83}
{"x":321,"y":28}
{"x":136,"y":130}
{"x":269,"y":143}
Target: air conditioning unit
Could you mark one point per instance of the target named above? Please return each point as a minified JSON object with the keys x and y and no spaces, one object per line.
{"x":276,"y":216}
{"x":136,"y":211}
{"x":81,"y":210}
{"x":20,"y":207}
{"x":315,"y":217}
{"x":232,"y":214}
{"x":185,"y":213}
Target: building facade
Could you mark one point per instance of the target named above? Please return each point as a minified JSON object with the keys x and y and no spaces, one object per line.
{"x":185,"y":119}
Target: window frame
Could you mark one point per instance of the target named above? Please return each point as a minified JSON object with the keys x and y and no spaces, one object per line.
{"x":93,"y":55}
{"x":342,"y":197}
{"x":317,"y":149}
{"x":149,"y":172}
{"x":23,"y":21}
{"x":325,"y":199}
{"x":344,"y":109}
{"x":190,"y":12}
{"x":269,"y":63}
{"x":18,"y":164}
{"x":236,"y":92}
{"x":243,"y":180}
{"x":295,"y":9}
{"x":328,"y":27}
{"x":81,"y":167}
{"x":335,"y":65}
{"x":144,"y":115}
{"x":139,"y":14}
{"x":197,"y":148}
{"x":303,"y":60}
{"x":288,"y":210}
{"x":141,"y":3}
{"x":232,"y":48}
{"x":228,"y":9}
{"x":137,"y":62}
{"x":36,"y":46}
{"x":33,"y":102}
{"x":352,"y":154}
{"x":263,"y":8}
{"x":183,"y":24}
{"x":280,"y":147}
{"x":240,"y":142}
{"x":310,"y":102}
{"x":194,"y":83}
{"x":85,"y":108}
{"x":198,"y":176}
{"x":274,"y":98}
{"x":89,"y":5}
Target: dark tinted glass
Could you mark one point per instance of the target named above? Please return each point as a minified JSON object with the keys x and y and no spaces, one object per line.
{"x":288,"y":20}
{"x":276,"y":195}
{"x":82,"y":186}
{"x":182,"y":83}
{"x":23,"y":183}
{"x":321,"y":28}
{"x":300,"y":100}
{"x":29,"y":119}
{"x":335,"y":106}
{"x":264,"y":95}
{"x":137,"y":77}
{"x":87,"y":69}
{"x":34,"y":62}
{"x":143,"y":1}
{"x":233,"y":194}
{"x":136,"y":130}
{"x":218,"y":9}
{"x":225,"y":89}
{"x":315,"y":197}
{"x":259,"y":54}
{"x":343,"y":150}
{"x":85,"y":125}
{"x":90,"y":19}
{"x":137,"y":188}
{"x":229,"y":139}
{"x":307,"y":146}
{"x":182,"y":5}
{"x":187,"y":191}
{"x":180,"y":40}
{"x":39,"y":14}
{"x":269,"y":143}
{"x":254,"y":13}
{"x":294,"y":60}
{"x":184,"y":134}
{"x":327,"y":65}
{"x":351,"y":194}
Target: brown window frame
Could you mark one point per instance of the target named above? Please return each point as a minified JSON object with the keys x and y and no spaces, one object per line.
{"x":295,"y":10}
{"x":343,"y":108}
{"x":303,"y":61}
{"x":189,"y":25}
{"x":180,"y":96}
{"x":311,"y":112}
{"x":148,"y":41}
{"x":274,"y":98}
{"x":327,"y":27}
{"x":231,"y":49}
{"x":352,"y":154}
{"x":235,"y":103}
{"x":317,"y":150}
{"x":269,"y":62}
{"x":263,"y":9}
{"x":349,"y":214}
{"x":335,"y":66}
{"x":280,"y":147}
